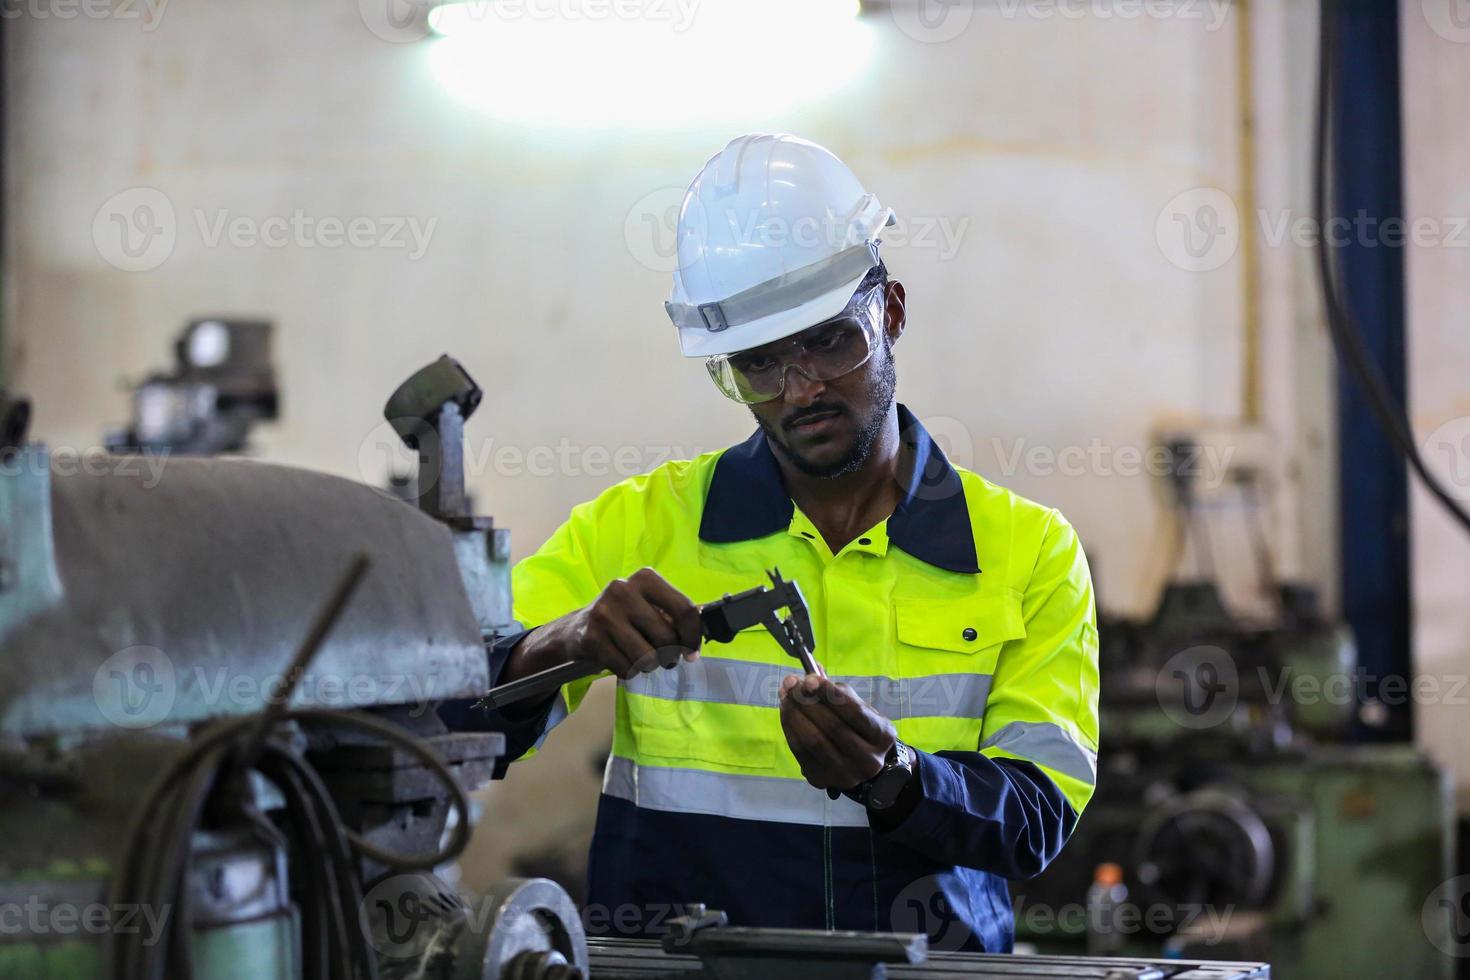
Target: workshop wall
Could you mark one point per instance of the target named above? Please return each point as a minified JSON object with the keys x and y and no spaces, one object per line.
{"x":1435,"y":69}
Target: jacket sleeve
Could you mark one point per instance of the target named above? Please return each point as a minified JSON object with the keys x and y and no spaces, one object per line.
{"x":568,"y":572}
{"x":1009,"y":807}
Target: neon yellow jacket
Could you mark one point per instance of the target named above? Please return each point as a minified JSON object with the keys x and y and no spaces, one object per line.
{"x":966,"y":617}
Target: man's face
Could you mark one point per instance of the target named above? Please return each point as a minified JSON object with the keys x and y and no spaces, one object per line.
{"x":828,"y":428}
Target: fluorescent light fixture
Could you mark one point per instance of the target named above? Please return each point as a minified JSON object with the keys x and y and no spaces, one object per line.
{"x":601,"y":63}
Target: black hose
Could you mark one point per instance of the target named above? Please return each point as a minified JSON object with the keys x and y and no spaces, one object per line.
{"x":154,"y":867}
{"x":1346,"y":337}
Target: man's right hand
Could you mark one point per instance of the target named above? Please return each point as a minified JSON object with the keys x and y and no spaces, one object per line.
{"x":622,"y":631}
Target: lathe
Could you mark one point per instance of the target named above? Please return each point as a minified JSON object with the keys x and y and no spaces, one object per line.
{"x":221,"y":755}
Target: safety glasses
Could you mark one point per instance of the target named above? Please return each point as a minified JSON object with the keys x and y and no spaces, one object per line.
{"x":824,"y":352}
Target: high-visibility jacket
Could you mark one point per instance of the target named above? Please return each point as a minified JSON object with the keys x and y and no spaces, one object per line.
{"x":966,"y":618}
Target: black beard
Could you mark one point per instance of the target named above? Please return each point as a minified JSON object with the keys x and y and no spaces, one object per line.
{"x":880,"y":393}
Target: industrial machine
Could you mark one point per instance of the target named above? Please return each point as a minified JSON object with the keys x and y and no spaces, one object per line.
{"x":222,"y":384}
{"x":1245,"y":819}
{"x":221,"y":756}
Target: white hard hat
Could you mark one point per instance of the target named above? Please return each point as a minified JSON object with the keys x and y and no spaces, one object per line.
{"x":775,"y":234}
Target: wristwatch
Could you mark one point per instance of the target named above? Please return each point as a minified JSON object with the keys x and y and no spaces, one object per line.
{"x":882,"y":791}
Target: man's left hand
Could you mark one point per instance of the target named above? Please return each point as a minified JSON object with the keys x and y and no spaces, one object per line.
{"x":838,"y":739}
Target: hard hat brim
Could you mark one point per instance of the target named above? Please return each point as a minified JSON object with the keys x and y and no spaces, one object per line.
{"x":702,"y":342}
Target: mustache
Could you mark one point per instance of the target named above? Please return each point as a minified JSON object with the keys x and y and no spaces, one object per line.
{"x":809,"y":413}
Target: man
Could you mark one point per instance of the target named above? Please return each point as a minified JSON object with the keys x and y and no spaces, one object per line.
{"x":954,"y":619}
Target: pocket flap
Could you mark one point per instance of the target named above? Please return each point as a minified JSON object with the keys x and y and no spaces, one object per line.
{"x":959,"y":625}
{"x":693,"y":732}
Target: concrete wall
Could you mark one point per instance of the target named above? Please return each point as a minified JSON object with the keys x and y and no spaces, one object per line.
{"x":1436,"y":66}
{"x":1044,"y":164}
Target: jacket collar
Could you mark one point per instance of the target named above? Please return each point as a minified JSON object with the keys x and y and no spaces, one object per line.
{"x":747,"y":500}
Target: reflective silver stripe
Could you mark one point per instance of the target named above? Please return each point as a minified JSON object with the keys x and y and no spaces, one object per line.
{"x":717,"y":680}
{"x":1048,"y":745}
{"x":722,"y":681}
{"x":726,"y":794}
{"x":934,"y":696}
{"x":784,"y":292}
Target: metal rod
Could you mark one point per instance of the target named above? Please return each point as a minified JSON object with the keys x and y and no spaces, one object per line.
{"x":541,"y":682}
{"x":326,"y":618}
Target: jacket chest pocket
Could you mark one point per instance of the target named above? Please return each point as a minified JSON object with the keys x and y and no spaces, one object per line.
{"x":948,"y":651}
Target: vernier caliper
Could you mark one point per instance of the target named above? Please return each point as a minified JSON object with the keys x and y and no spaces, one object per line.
{"x":720,"y":621}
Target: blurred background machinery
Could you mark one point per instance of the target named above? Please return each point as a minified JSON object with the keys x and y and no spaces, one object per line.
{"x":222,"y":384}
{"x":1241,"y":799}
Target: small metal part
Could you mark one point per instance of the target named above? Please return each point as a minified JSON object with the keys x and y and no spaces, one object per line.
{"x":683,"y":928}
{"x":795,"y":646}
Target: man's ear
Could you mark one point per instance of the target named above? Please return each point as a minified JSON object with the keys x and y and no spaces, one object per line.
{"x":896,"y":317}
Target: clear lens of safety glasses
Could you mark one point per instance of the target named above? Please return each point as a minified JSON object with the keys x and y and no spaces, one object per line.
{"x":824,"y":352}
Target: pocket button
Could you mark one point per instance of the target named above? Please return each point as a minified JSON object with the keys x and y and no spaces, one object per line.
{"x":969,"y":633}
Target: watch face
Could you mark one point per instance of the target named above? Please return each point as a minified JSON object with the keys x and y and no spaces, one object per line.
{"x":886,"y":787}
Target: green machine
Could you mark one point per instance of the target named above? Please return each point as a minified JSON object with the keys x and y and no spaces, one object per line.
{"x":1239,"y":814}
